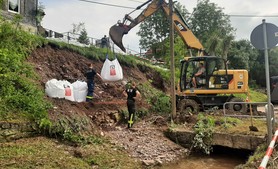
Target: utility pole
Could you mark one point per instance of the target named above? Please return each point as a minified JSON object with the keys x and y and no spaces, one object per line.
{"x":172,"y":60}
{"x":269,"y":108}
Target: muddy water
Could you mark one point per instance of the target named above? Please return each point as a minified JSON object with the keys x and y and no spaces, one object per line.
{"x":206,"y":162}
{"x":227,"y":159}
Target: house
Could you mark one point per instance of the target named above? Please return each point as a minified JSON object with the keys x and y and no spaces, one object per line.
{"x":26,"y":8}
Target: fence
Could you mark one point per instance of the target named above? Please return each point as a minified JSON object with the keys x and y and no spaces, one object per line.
{"x":240,"y":115}
{"x":269,"y":117}
{"x":72,"y":38}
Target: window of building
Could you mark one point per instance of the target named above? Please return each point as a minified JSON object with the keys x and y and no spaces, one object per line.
{"x":14,"y":6}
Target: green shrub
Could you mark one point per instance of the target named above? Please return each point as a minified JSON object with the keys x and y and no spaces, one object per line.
{"x":159,"y":101}
{"x":204,"y":130}
{"x":161,"y":104}
{"x":18,"y":92}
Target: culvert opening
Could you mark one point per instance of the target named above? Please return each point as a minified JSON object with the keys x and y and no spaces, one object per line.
{"x":241,"y":154}
{"x":220,"y":158}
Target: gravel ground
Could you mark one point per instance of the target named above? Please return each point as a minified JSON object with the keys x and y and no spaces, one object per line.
{"x":147,"y":143}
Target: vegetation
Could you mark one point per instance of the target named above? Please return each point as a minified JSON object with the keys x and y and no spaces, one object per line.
{"x":159,"y":100}
{"x":212,"y":26}
{"x":19,"y":94}
{"x":79,"y":29}
{"x":40,"y":13}
{"x":255,"y":159}
{"x":41,"y":152}
{"x":204,"y":131}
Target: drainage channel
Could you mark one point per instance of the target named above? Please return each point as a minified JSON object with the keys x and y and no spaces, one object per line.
{"x":220,"y":158}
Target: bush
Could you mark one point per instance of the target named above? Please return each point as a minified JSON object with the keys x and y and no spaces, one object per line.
{"x":18,"y":92}
{"x":161,"y":104}
{"x":204,"y":129}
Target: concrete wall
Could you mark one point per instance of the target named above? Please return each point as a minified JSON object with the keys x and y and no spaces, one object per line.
{"x":235,"y":141}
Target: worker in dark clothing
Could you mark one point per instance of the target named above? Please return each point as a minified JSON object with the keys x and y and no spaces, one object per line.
{"x":104,"y":42}
{"x":90,"y":75}
{"x":132,"y":94}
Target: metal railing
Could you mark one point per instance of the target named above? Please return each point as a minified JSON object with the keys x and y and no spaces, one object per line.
{"x":241,"y":115}
{"x":72,"y":38}
{"x":270,"y":121}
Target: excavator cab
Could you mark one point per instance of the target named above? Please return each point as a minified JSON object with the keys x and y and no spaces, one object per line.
{"x":214,"y":74}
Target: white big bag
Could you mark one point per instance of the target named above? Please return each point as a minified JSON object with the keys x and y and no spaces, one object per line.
{"x":80,"y":90}
{"x":55,"y":89}
{"x":111,"y":70}
{"x":59,"y":89}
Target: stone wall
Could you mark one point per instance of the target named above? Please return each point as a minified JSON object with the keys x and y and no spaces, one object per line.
{"x":11,"y":130}
{"x":27,"y":10}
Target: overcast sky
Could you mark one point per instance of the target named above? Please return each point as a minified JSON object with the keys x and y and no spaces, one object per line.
{"x":61,"y":14}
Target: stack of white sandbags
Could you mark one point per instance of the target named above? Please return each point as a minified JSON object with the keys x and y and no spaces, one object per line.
{"x":76,"y":91}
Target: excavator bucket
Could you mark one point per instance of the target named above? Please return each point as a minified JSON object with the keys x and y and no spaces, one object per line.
{"x":116,"y":33}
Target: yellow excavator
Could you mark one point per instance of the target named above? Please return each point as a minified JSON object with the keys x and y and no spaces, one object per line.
{"x":213,"y":87}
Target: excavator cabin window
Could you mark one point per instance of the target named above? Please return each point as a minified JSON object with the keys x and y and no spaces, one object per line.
{"x":191,"y":70}
{"x":217,"y":74}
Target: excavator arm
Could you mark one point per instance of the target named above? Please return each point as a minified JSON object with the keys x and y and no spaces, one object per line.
{"x":118,"y":30}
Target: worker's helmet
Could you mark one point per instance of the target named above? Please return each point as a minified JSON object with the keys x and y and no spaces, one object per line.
{"x":128,"y":85}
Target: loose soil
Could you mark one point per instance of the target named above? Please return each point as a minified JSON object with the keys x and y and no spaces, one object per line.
{"x":145,"y":141}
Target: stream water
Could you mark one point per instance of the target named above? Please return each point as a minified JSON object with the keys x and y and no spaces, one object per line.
{"x":219,"y":159}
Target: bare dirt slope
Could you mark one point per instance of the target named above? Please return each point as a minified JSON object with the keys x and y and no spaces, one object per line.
{"x":145,"y":142}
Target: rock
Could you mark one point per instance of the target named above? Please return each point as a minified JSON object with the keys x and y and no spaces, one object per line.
{"x":148,"y":162}
{"x":5,"y":125}
{"x":158,"y":161}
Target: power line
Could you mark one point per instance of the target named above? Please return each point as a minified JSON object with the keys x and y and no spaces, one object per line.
{"x":136,"y":1}
{"x":119,"y":6}
{"x":252,"y":16}
{"x":231,"y":15}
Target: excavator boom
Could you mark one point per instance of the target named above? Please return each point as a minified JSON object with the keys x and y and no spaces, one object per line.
{"x":118,"y":30}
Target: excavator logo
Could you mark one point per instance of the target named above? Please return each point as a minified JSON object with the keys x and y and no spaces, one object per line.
{"x":180,"y":26}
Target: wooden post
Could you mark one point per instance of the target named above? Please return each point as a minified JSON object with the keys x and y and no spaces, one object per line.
{"x":172,"y":60}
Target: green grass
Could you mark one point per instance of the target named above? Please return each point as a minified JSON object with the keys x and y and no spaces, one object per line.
{"x":255,"y":96}
{"x":42,"y":153}
{"x":241,"y":126}
{"x":38,"y":153}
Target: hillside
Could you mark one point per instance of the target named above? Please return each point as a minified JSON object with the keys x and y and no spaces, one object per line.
{"x":146,"y":142}
{"x":86,"y":135}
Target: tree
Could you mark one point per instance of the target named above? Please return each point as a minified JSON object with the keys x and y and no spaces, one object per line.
{"x":242,"y":55}
{"x":155,"y":29}
{"x":77,"y":27}
{"x":40,"y":14}
{"x":259,"y":67}
{"x":82,"y":32}
{"x":83,"y":37}
{"x":212,"y":27}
